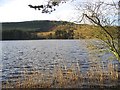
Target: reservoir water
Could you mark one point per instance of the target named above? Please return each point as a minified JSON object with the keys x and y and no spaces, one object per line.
{"x":43,"y":55}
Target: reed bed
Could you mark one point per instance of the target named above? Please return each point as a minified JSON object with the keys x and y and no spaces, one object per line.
{"x":71,"y":77}
{"x":99,"y":74}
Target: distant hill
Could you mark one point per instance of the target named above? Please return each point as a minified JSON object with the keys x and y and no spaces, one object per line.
{"x":53,"y":30}
{"x":42,"y":26}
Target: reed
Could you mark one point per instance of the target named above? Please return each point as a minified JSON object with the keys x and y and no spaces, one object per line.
{"x":69,"y":78}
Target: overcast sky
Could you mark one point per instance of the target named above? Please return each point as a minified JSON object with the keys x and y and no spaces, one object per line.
{"x":18,"y":10}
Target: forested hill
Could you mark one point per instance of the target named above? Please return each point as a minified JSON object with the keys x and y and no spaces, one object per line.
{"x":43,"y":26}
{"x":53,"y":30}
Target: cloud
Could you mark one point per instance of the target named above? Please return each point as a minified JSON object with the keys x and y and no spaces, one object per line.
{"x":18,"y":10}
{"x":3,"y":2}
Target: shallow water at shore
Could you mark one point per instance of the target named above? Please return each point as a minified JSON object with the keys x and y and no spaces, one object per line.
{"x":44,"y":55}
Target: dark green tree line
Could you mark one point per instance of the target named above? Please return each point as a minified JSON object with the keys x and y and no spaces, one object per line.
{"x":17,"y":35}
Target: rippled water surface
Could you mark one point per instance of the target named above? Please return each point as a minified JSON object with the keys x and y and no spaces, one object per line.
{"x":18,"y":56}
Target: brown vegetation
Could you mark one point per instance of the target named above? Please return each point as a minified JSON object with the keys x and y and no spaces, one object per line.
{"x":69,"y":78}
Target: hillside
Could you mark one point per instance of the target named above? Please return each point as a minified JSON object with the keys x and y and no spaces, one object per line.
{"x":53,"y":30}
{"x":45,"y":25}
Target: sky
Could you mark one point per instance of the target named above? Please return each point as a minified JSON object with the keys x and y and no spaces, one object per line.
{"x":18,"y":10}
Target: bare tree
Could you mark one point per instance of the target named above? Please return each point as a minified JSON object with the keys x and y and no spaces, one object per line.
{"x":99,"y":13}
{"x":103,"y":14}
{"x":49,"y":7}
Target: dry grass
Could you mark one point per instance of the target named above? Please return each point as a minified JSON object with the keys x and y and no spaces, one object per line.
{"x":69,"y":78}
{"x":45,"y":34}
{"x":99,"y":74}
